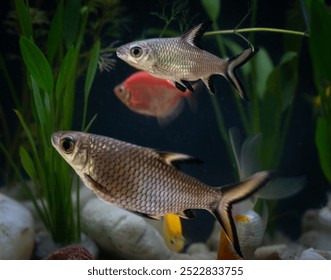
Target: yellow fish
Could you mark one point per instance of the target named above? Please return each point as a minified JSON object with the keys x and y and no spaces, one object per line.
{"x":172,"y":232}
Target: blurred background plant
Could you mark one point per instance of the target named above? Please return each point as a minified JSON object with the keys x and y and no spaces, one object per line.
{"x":56,"y":47}
{"x":318,"y":19}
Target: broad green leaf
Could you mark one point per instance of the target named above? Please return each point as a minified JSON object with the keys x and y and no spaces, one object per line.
{"x":71,"y":20}
{"x":66,"y":68}
{"x":55,"y":33}
{"x":319,"y":25}
{"x":23,"y":13}
{"x":91,"y":70}
{"x":27,"y":163}
{"x":37,"y":64}
{"x":323,"y":140}
{"x":264,"y":65}
{"x":212,"y":8}
{"x":282,"y":81}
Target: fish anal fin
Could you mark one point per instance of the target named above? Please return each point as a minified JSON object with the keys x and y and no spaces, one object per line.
{"x":176,"y":160}
{"x":188,"y":85}
{"x":193,"y":36}
{"x":179,"y":86}
{"x":209,"y":82}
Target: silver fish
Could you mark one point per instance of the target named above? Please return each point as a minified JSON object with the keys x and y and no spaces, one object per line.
{"x":181,"y":60}
{"x":146,"y":181}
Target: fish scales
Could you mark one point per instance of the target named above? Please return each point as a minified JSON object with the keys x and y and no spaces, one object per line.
{"x":146,"y":181}
{"x":197,"y":63}
{"x":124,"y":173}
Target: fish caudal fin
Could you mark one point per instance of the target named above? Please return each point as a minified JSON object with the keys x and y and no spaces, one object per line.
{"x":235,"y":193}
{"x":235,"y":62}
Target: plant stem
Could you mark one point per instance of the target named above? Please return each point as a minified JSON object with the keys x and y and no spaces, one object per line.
{"x":257,"y":29}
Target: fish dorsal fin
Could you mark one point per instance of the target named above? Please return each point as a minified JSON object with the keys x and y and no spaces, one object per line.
{"x":176,"y":160}
{"x":193,"y":36}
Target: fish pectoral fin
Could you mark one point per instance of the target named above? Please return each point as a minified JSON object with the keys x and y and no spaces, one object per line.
{"x":193,"y":36}
{"x":176,"y":160}
{"x":188,"y":85}
{"x":209,"y":82}
{"x":186,"y":214}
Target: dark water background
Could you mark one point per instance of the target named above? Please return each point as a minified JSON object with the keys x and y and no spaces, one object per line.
{"x":196,"y":133}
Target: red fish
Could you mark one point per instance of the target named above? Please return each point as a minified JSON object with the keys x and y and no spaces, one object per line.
{"x":151,"y":96}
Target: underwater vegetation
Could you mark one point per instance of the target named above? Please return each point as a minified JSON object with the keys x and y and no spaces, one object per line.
{"x":50,"y":72}
{"x":62,"y":72}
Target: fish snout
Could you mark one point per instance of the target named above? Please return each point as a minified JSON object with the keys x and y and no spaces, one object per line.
{"x":55,"y":139}
{"x":120,"y":52}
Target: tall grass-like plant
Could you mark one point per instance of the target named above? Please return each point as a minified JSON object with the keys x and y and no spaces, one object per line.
{"x":51,"y":77}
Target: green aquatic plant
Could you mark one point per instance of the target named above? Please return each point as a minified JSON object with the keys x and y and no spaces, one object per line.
{"x":319,"y":26}
{"x":52,"y":65}
{"x":271,"y":89}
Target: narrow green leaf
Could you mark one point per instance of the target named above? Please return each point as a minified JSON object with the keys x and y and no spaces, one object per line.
{"x":27,"y":163}
{"x":91,"y":70}
{"x":55,"y":33}
{"x":23,"y":13}
{"x":323,"y":140}
{"x":28,"y":133}
{"x":65,"y":69}
{"x":265,"y":66}
{"x":212,"y":8}
{"x":71,"y":20}
{"x":282,"y":81}
{"x":319,"y":24}
{"x":37,"y":64}
{"x":41,"y":113}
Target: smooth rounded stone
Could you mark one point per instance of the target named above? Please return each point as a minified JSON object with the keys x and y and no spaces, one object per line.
{"x":195,"y":256}
{"x":16,"y":230}
{"x":271,"y":252}
{"x":121,"y":232}
{"x":311,"y":254}
{"x":214,"y":238}
{"x":197,"y":248}
{"x":310,"y":220}
{"x":309,"y":238}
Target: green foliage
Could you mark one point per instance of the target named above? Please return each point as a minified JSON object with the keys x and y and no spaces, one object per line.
{"x":37,"y":64}
{"x":212,"y":8}
{"x":319,"y":25}
{"x":323,"y":140}
{"x":51,"y":67}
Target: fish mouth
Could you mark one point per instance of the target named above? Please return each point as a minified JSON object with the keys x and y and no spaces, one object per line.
{"x":120,"y":54}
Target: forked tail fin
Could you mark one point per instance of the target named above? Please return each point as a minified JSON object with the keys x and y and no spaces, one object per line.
{"x":235,"y":193}
{"x":235,"y":62}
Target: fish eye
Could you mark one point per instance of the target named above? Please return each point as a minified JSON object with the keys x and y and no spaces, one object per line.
{"x":67,"y":144}
{"x":120,"y":89}
{"x":136,"y":51}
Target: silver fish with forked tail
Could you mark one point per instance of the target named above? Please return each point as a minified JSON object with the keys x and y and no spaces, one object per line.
{"x":146,"y":181}
{"x":181,"y":60}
